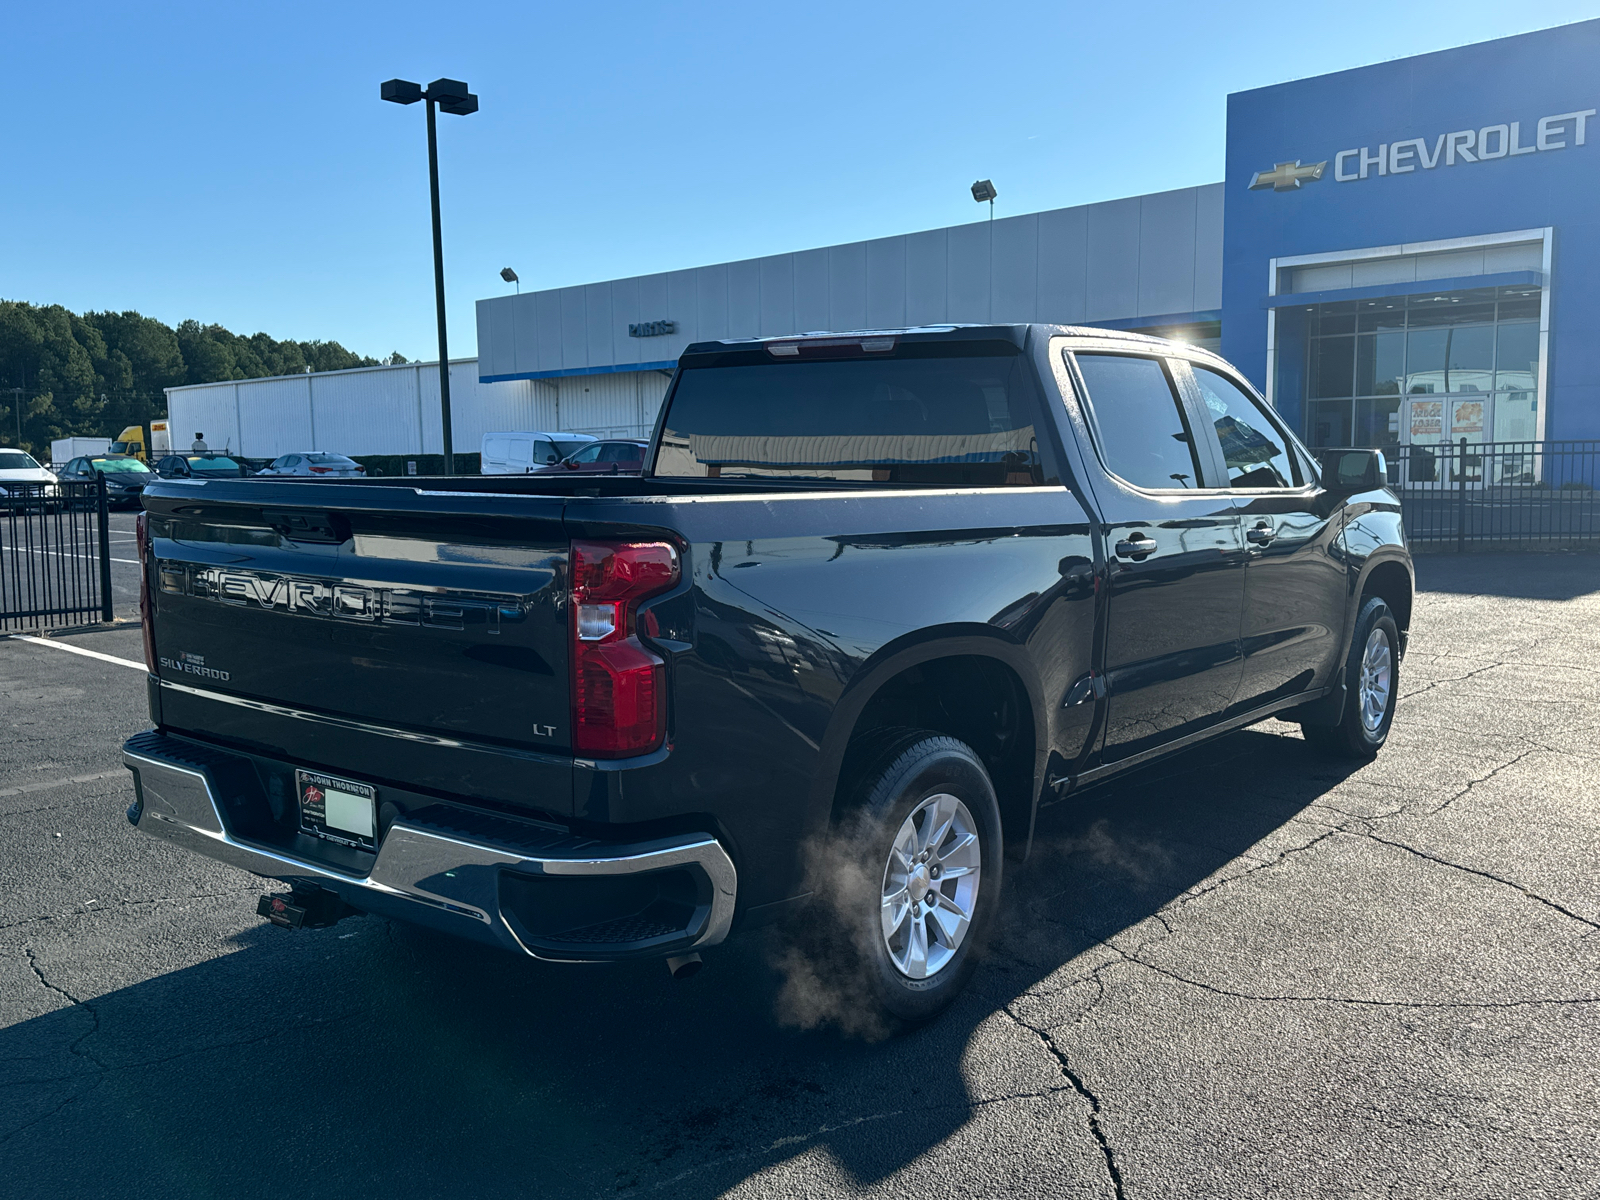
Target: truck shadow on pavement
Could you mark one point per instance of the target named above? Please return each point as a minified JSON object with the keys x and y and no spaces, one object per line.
{"x":374,"y":1059}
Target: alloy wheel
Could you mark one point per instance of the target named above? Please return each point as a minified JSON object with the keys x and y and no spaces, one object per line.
{"x":1376,"y":680}
{"x":930,"y":886}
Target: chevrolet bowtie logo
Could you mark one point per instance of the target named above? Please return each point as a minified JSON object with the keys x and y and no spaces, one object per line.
{"x":1287,"y":176}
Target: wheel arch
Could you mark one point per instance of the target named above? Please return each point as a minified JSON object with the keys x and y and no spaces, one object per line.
{"x":953,"y":681}
{"x":1390,"y":579}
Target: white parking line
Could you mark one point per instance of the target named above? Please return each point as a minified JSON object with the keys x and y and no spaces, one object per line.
{"x":46,"y":785}
{"x":59,"y":554}
{"x":55,"y":645}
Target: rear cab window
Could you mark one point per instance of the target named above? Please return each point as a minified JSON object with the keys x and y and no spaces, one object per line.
{"x":924,"y":414}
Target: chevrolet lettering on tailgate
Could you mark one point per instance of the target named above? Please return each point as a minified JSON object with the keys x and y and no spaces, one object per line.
{"x":339,"y":601}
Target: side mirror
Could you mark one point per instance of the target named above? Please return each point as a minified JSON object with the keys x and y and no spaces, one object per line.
{"x":1353,"y":470}
{"x":552,"y":460}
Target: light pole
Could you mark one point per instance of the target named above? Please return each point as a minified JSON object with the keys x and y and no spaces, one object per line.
{"x":452,"y":96}
{"x":981,"y":191}
{"x":510,"y":276}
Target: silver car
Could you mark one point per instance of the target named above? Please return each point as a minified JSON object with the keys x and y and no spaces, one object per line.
{"x":315,"y":464}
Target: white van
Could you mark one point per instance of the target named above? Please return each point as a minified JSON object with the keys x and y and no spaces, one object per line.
{"x":518,"y":453}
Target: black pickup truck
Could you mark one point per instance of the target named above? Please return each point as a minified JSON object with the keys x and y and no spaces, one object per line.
{"x":875,"y":600}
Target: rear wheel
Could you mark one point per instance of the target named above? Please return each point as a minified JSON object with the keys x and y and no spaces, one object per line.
{"x":916,"y":864}
{"x":1371,"y":679}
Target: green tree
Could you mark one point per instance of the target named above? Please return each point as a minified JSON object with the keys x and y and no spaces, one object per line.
{"x":100,"y":372}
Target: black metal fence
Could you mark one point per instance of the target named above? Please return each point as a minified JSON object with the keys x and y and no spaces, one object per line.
{"x":55,"y":555}
{"x":1503,"y":495}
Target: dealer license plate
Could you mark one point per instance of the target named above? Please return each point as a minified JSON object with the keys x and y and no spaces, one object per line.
{"x":340,"y":810}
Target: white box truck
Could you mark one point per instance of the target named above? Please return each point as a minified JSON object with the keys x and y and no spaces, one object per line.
{"x":64,"y":450}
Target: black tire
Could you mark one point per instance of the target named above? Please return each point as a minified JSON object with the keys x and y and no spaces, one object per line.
{"x":1358,"y":735}
{"x":903,"y":775}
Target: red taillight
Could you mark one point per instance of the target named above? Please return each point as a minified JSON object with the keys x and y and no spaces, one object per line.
{"x":321,"y":470}
{"x":618,"y":708}
{"x":146,"y":617}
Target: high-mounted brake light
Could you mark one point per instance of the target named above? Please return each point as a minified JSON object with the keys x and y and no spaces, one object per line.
{"x":846,"y":347}
{"x":141,"y":530}
{"x":618,"y":708}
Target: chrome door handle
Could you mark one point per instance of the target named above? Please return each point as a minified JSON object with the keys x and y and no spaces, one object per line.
{"x":1261,"y":535}
{"x":1136,"y":547}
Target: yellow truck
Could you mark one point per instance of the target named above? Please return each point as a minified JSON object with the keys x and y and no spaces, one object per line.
{"x":132,"y":441}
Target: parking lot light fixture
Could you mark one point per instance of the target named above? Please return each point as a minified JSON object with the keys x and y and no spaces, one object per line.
{"x":984,"y":190}
{"x":451,"y":96}
{"x":510,"y":276}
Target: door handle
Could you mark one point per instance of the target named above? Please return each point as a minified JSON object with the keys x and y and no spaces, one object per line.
{"x":1136,"y":546}
{"x":1260,"y":535}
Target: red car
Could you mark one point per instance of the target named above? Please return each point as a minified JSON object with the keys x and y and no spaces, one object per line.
{"x":613,"y":457}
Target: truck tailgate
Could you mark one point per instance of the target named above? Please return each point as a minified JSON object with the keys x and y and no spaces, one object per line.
{"x":434,"y":615}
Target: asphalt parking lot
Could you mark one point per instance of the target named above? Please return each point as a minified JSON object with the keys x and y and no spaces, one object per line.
{"x":1247,"y":972}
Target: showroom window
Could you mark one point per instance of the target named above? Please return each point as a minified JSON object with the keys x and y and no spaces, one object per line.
{"x":1423,"y":369}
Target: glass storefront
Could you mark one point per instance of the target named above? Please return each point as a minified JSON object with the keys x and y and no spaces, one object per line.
{"x":1422,"y":370}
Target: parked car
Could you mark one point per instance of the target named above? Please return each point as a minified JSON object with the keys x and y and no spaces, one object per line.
{"x":611,"y":457}
{"x":875,"y":599}
{"x":125,"y":477}
{"x":315,"y":464}
{"x":24,"y":482}
{"x":514,"y":453}
{"x":200,"y":466}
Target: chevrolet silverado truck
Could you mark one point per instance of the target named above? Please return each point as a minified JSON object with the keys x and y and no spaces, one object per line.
{"x":875,"y":600}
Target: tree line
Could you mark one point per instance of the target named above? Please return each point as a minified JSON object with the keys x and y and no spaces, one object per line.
{"x":95,"y":373}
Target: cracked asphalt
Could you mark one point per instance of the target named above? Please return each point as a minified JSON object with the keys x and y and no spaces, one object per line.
{"x":1247,"y":971}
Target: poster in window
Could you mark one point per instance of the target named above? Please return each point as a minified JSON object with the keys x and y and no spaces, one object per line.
{"x":1427,"y":420}
{"x":1466,"y":418}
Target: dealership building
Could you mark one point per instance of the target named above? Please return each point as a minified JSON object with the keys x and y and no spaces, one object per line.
{"x":1405,"y":253}
{"x":1401,"y":253}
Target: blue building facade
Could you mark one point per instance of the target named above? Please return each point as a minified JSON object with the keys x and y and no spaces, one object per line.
{"x":1410,"y":249}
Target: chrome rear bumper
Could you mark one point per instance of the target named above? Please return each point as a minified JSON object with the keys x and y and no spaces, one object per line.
{"x":429,"y":875}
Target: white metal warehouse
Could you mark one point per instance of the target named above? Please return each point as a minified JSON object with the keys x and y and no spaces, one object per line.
{"x":596,"y":358}
{"x":395,"y":410}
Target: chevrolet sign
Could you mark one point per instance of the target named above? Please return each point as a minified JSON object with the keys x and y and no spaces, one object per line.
{"x":1287,"y":176}
{"x":1405,"y":155}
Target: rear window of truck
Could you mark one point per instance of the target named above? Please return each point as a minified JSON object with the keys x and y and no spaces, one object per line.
{"x":924,"y":421}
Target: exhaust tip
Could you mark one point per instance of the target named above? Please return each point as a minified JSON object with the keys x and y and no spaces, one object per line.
{"x":684,"y":966}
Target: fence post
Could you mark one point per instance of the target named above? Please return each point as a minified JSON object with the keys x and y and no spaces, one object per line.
{"x":1461,"y":500}
{"x":105,"y":548}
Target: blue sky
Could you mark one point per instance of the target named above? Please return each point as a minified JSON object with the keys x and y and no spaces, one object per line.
{"x":233,"y":163}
